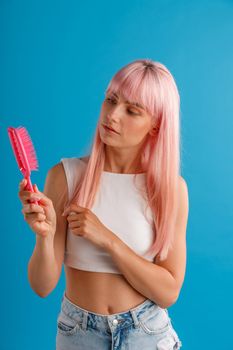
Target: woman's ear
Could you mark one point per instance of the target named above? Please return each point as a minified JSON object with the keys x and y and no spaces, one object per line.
{"x":154,"y":130}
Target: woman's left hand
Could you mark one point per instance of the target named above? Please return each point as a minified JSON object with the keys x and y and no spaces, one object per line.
{"x":83,"y":222}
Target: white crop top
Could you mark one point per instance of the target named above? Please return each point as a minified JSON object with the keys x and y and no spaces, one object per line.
{"x":120,"y":207}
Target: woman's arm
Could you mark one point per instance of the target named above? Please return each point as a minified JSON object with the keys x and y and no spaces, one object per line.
{"x":42,"y":266}
{"x":158,"y":281}
{"x":45,"y":264}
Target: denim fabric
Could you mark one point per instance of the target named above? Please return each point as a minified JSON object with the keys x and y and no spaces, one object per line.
{"x":145,"y":327}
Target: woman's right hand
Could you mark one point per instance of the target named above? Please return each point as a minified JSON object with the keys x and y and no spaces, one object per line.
{"x":42,"y":217}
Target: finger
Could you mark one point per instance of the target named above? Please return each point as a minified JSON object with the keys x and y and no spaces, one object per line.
{"x":36,"y":189}
{"x":22,"y":184}
{"x":41,"y":196}
{"x":41,"y":217}
{"x":27,"y":197}
{"x":32,"y":196}
{"x":24,"y":187}
{"x":34,"y":216}
{"x":32,"y":208}
{"x":23,"y":190}
{"x":75,"y":224}
{"x":24,"y":194}
{"x":74,"y":217}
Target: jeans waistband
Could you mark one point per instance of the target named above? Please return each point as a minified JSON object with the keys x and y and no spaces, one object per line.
{"x":132,"y":316}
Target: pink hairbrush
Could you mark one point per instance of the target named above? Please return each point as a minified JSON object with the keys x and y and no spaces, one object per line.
{"x":24,"y":153}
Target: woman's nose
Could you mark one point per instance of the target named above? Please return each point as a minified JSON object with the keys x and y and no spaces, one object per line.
{"x":114,"y":113}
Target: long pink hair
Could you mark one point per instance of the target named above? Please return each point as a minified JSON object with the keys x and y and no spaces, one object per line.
{"x":151,"y":84}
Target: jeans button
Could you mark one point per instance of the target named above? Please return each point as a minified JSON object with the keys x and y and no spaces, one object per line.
{"x":115,"y":322}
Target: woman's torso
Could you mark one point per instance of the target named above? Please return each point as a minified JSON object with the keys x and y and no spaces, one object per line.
{"x":100,"y":292}
{"x":104,"y":293}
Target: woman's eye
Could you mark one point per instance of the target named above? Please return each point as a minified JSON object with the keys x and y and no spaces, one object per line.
{"x":110,"y":99}
{"x":131,"y":112}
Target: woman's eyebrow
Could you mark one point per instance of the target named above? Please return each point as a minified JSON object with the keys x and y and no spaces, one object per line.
{"x":131,"y":102}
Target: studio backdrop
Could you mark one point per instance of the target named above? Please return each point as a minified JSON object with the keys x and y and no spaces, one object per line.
{"x":55,"y":63}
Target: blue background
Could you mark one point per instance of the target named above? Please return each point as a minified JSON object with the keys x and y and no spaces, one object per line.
{"x":56,"y":60}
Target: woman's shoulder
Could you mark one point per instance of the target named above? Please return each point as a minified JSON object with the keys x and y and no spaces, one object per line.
{"x":74,"y":160}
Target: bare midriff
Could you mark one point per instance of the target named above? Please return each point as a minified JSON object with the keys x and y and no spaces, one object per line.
{"x":100,"y":292}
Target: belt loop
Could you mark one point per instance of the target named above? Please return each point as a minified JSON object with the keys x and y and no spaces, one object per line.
{"x":84,"y":320}
{"x":135,"y":318}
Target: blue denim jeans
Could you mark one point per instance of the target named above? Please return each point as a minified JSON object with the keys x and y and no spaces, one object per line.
{"x":145,"y":327}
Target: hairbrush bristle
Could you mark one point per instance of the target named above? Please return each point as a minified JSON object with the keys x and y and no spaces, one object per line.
{"x":23,"y":149}
{"x":29,"y":148}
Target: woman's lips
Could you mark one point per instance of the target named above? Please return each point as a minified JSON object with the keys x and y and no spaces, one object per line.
{"x":110,"y":130}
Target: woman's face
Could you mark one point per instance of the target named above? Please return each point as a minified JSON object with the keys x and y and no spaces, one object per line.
{"x":130,"y":122}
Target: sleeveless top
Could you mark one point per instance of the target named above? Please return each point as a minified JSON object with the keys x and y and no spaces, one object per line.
{"x":120,"y":207}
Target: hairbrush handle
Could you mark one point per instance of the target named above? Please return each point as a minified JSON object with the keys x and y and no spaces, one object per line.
{"x":30,"y":188}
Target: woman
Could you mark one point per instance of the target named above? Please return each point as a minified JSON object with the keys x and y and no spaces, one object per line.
{"x":122,"y":235}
